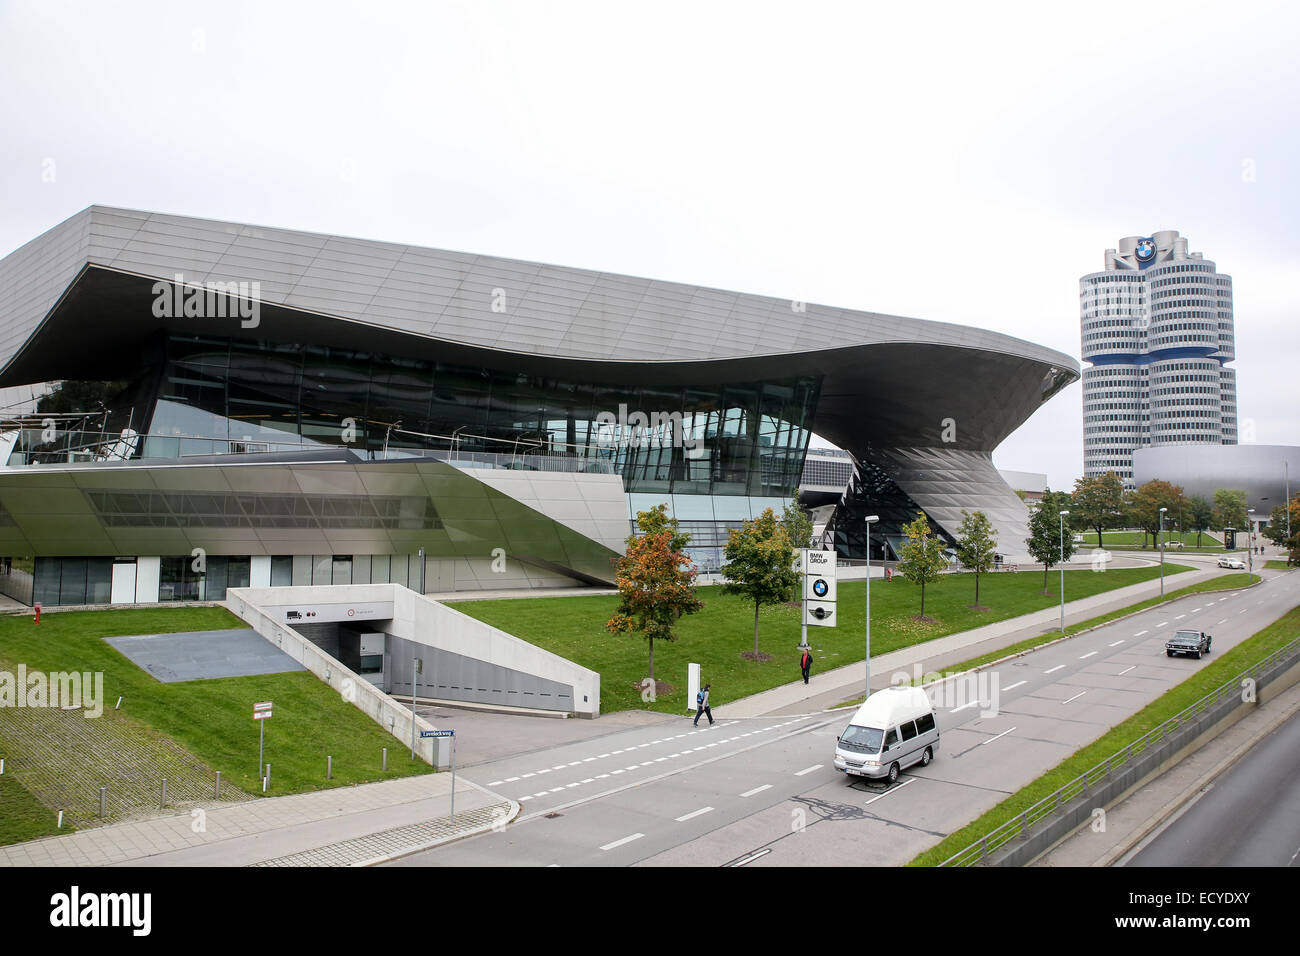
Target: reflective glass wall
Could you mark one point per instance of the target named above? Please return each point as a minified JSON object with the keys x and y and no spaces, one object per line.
{"x":220,"y":396}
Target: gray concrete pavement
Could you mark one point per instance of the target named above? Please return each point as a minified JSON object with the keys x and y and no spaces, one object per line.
{"x":1158,"y":800}
{"x":773,"y":798}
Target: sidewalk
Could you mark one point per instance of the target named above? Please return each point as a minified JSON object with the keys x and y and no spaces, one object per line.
{"x":832,"y":687}
{"x":346,"y":826}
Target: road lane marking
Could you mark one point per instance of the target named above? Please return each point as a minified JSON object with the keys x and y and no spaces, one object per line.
{"x":1224,"y":621}
{"x":601,"y":756}
{"x":1088,"y":655}
{"x":751,"y":857}
{"x":524,"y":799}
{"x":1162,"y":624}
{"x":560,"y":767}
{"x":1126,"y":670}
{"x":1119,"y":642}
{"x":1075,"y":697}
{"x":616,"y":772}
{"x":889,"y":791}
{"x":1054,"y":669}
{"x":496,"y":783}
{"x":750,"y":793}
{"x":1194,"y":610}
{"x":1243,"y":610}
{"x":602,"y":776}
{"x":626,"y":839}
{"x":511,"y":779}
{"x":964,"y":706}
{"x":991,"y":739}
{"x":1180,"y":617}
{"x":588,"y":759}
{"x":541,"y":794}
{"x":633,"y":767}
{"x":525,"y":776}
{"x":556,"y":789}
{"x":589,"y":780}
{"x":693,"y":814}
{"x":575,"y":763}
{"x":1016,"y":684}
{"x":805,"y":770}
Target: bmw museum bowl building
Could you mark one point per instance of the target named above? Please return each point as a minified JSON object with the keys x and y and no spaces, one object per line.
{"x":288,"y":408}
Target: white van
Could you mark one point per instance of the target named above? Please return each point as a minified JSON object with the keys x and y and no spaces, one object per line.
{"x":893,"y":729}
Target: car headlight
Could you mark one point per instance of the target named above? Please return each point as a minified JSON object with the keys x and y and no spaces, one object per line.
{"x":872,"y":762}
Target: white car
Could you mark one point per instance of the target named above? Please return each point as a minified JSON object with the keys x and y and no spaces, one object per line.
{"x":1235,"y":563}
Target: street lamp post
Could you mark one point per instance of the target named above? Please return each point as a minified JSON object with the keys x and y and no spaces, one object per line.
{"x":1061,"y":555}
{"x":871,"y":519}
{"x":387,"y":433}
{"x":1250,"y":541}
{"x":1162,"y":552}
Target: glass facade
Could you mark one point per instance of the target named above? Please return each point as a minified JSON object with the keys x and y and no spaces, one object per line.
{"x":873,"y":492}
{"x":60,"y":581}
{"x":220,"y":396}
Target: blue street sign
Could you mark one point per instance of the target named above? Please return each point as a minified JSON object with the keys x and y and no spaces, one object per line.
{"x":437,"y":733}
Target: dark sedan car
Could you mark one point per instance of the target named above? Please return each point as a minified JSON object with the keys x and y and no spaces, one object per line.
{"x":1195,"y":643}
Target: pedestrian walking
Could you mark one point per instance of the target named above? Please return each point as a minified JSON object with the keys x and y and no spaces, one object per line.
{"x":702,"y":705}
{"x":805,"y":663}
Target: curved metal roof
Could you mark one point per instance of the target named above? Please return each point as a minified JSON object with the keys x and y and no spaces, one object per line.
{"x":79,"y":299}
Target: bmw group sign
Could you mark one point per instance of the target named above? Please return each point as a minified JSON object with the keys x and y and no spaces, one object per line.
{"x":819,"y":588}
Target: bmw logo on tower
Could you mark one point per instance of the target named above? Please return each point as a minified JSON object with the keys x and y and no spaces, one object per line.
{"x":1145,"y":250}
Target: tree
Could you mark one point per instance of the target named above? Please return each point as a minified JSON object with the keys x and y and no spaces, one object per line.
{"x":922,"y":559}
{"x":1277,"y":528}
{"x":760,"y":564}
{"x":976,"y":547}
{"x":798,"y":522}
{"x":656,"y":582}
{"x":1200,"y":516}
{"x":1045,"y":542}
{"x":1146,"y":504}
{"x":1097,"y":503}
{"x":1230,"y":509}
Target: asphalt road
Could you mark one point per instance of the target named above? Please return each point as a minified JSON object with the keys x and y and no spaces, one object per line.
{"x":1248,"y":816}
{"x":764,"y":791}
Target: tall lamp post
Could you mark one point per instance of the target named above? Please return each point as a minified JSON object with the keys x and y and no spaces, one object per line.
{"x":871,"y":519}
{"x":1162,"y":552}
{"x":1250,"y":540}
{"x":1061,"y":554}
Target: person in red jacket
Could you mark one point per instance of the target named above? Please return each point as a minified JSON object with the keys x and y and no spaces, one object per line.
{"x":805,"y":663}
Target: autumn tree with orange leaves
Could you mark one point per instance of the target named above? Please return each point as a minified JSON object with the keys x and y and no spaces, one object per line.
{"x":656,"y":581}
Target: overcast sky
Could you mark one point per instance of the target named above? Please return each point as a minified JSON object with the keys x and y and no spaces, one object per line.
{"x":965,"y":164}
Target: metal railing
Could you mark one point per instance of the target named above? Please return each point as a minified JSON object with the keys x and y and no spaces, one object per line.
{"x":1021,"y":824}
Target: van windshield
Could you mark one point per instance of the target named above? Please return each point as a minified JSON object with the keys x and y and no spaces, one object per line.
{"x":862,"y":739}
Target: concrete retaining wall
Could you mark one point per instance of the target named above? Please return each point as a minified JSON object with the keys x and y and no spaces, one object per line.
{"x":246,"y":603}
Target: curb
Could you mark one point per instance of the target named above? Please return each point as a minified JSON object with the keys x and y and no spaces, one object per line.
{"x":443,"y":841}
{"x":1173,"y":806}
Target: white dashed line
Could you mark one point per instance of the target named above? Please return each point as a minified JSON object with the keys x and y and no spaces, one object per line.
{"x":589,"y":780}
{"x":1243,"y":610}
{"x":805,"y":770}
{"x":525,"y":776}
{"x":1075,"y":697}
{"x":560,"y":767}
{"x":569,"y":786}
{"x":964,"y":706}
{"x":616,"y":772}
{"x":1162,"y":624}
{"x":626,"y":839}
{"x":543,"y":771}
{"x":1180,"y":617}
{"x":694,"y":813}
{"x":889,"y":791}
{"x":1194,"y":610}
{"x":602,"y":776}
{"x":575,"y":763}
{"x":1125,"y":670}
{"x":496,"y":783}
{"x":541,"y":793}
{"x":1054,"y":669}
{"x":588,"y":759}
{"x":524,"y":799}
{"x":991,"y":739}
{"x":1140,"y":633}
{"x":511,"y":779}
{"x":1016,"y":684}
{"x":1084,"y":657}
{"x":556,"y":789}
{"x":1119,"y":642}
{"x":750,"y":793}
{"x":601,"y":756}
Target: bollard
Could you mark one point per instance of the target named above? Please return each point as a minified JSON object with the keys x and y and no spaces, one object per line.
{"x":385,"y":767}
{"x":2,"y":764}
{"x":103,"y":801}
{"x":60,"y":823}
{"x":164,"y":793}
{"x":119,"y":704}
{"x":217,"y":795}
{"x":264,"y":785}
{"x":38,"y":621}
{"x":268,"y":773}
{"x":329,"y":768}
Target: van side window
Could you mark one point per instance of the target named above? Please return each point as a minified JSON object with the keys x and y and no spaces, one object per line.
{"x":925,"y":723}
{"x":908,"y":729}
{"x":891,"y":738}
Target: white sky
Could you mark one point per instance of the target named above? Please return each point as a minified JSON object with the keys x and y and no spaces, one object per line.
{"x":965,"y":163}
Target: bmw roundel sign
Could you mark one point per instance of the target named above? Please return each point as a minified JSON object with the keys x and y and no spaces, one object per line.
{"x":820,"y":588}
{"x":1145,"y":250}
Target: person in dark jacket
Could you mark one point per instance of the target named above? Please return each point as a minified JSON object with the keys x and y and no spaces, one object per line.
{"x":702,"y":705}
{"x":805,"y":663}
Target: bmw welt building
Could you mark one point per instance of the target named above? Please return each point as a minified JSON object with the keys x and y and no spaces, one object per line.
{"x":288,"y":408}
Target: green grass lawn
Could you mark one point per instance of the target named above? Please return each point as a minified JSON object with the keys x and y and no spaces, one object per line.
{"x":1134,"y":539}
{"x":1276,"y":565}
{"x":1281,"y":632}
{"x":213,"y":719}
{"x":22,"y":817}
{"x":573,"y":627}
